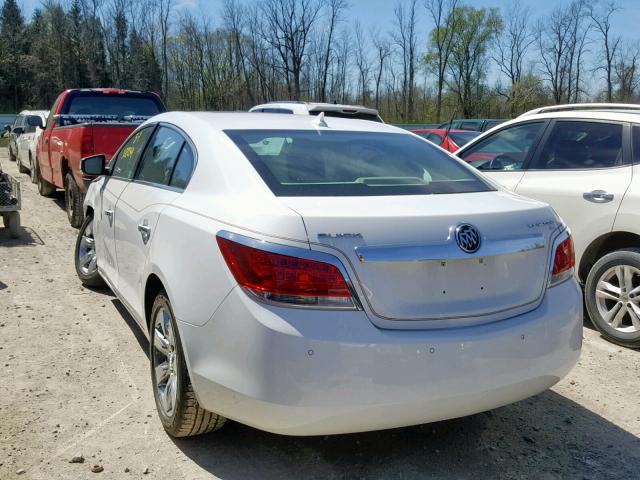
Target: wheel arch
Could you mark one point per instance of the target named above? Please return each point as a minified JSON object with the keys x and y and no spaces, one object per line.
{"x":603,"y":245}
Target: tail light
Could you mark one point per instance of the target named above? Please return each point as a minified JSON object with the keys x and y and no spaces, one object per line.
{"x":564,"y":261}
{"x":87,"y":142}
{"x":285,"y":279}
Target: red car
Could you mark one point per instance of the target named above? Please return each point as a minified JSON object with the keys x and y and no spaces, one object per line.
{"x":450,"y":140}
{"x":83,"y":122}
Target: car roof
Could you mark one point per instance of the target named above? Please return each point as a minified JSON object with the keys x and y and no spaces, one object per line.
{"x":316,"y":106}
{"x":583,"y":107}
{"x":277,"y":121}
{"x":34,"y":112}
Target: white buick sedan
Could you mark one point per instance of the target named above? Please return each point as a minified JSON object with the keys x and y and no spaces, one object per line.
{"x":322,"y":275}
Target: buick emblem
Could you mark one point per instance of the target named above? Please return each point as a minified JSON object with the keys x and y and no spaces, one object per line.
{"x":468,"y":238}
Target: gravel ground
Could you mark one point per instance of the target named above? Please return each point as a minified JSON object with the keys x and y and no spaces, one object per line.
{"x":76,"y":384}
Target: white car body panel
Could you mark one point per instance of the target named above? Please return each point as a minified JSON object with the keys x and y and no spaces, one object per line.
{"x":303,"y":371}
{"x":28,"y":141}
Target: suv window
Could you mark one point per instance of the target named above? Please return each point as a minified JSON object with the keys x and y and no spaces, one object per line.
{"x":635,"y":135}
{"x":504,"y":150}
{"x":581,"y":145}
{"x":18,"y":122}
{"x":160,"y":157}
{"x":275,"y":110}
{"x":127,"y":159}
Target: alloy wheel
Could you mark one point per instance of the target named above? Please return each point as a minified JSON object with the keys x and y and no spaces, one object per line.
{"x":618,"y":298}
{"x":87,"y":259}
{"x":165,"y":362}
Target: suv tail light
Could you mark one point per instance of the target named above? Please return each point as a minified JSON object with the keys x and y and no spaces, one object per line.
{"x":564,"y":261}
{"x":286,"y":280}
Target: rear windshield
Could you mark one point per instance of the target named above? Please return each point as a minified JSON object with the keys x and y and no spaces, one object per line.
{"x":354,"y":116}
{"x":122,"y":105}
{"x":339,"y":163}
{"x":462,"y":138}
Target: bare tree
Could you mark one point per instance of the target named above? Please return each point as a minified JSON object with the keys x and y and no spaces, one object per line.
{"x":561,"y":42}
{"x":164,"y":11}
{"x":442,"y":13}
{"x":610,"y":43}
{"x":512,"y":46}
{"x":335,"y":8}
{"x":363,"y":64}
{"x":289,"y":24}
{"x":406,"y":38}
{"x":383,"y":51}
{"x":627,"y":72}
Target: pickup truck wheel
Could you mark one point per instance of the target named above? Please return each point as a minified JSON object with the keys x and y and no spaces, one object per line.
{"x":44,"y":188}
{"x":86,"y":260}
{"x":612,"y":296}
{"x":180,"y":413}
{"x":73,"y":201}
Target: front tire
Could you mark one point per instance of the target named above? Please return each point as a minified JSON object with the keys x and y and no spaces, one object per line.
{"x":179,"y":411}
{"x":612,"y":296}
{"x":73,"y":201}
{"x":86,"y":261}
{"x":12,"y":156}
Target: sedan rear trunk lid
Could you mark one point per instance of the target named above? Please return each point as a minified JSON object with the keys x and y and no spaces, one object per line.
{"x":404,"y":255}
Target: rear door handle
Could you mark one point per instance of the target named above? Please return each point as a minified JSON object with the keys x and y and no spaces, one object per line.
{"x":109,"y":214}
{"x":598,"y":196}
{"x":145,"y":232}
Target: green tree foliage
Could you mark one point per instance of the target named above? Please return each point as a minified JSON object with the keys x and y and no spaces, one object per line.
{"x":14,"y":47}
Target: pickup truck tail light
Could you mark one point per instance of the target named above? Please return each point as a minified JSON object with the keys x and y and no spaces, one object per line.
{"x":87,"y":141}
{"x":286,"y":280}
{"x":564,"y":261}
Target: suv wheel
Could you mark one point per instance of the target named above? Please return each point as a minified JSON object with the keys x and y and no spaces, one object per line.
{"x":12,"y":156}
{"x":73,"y":201}
{"x":612,"y":296}
{"x":180,"y":413}
{"x":86,"y":260}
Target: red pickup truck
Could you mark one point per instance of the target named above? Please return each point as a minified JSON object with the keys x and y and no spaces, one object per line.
{"x":83,"y":122}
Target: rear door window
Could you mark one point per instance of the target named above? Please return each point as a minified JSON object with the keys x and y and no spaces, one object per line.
{"x":183,"y":169}
{"x":160,"y":156}
{"x":124,"y":165}
{"x":506,"y":149}
{"x":344,"y":163}
{"x":580,"y":145}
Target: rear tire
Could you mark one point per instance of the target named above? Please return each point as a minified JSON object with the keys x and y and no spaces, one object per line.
{"x":73,"y":201}
{"x":12,"y":157}
{"x":32,"y":169}
{"x":612,"y":296}
{"x":178,"y":408}
{"x":45,"y":188}
{"x":22,"y":168}
{"x":86,"y":261}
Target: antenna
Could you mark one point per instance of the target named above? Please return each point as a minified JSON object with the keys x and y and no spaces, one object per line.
{"x":319,"y":121}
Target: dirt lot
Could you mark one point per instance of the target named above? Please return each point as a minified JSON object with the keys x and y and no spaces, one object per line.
{"x":76,"y":382}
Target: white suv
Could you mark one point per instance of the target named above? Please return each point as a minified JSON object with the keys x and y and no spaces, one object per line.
{"x":584,"y":160}
{"x":26,"y":140}
{"x":356,"y":112}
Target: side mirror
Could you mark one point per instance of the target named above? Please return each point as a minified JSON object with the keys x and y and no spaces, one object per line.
{"x":7,"y":128}
{"x":93,"y":165}
{"x":35,"y":121}
{"x":18,"y":131}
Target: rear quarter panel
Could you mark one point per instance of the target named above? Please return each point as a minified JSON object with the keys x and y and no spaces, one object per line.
{"x":628,"y":217}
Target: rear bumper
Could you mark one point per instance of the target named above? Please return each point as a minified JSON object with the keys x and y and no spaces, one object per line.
{"x":307,"y":372}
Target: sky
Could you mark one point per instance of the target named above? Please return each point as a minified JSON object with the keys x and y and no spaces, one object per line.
{"x":379,"y":14}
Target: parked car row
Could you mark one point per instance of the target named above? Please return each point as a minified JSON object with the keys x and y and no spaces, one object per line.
{"x":315,"y":272}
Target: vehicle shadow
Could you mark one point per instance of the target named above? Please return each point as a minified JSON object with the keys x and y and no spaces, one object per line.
{"x":131,"y":323}
{"x":548,"y":436}
{"x":28,"y":237}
